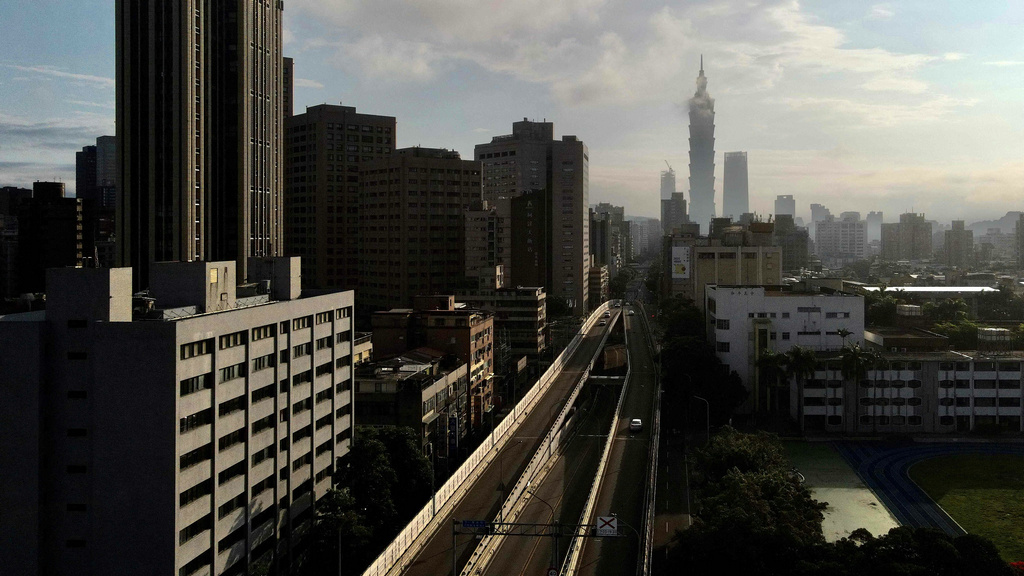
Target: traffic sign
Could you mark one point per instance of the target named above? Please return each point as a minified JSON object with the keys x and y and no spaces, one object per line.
{"x":607,"y":526}
{"x":474,"y":523}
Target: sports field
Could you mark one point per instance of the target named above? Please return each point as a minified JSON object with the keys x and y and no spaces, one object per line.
{"x":983,"y":493}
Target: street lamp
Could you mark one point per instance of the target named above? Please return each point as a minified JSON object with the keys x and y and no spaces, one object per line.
{"x":707,"y":414}
{"x":554,"y":525}
{"x":616,"y":516}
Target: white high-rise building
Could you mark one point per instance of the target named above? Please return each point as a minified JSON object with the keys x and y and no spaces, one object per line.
{"x":187,"y":432}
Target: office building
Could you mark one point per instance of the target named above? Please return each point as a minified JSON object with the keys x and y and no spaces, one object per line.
{"x":673,"y":213}
{"x":735,"y":190}
{"x":874,"y":221}
{"x":481,"y":266}
{"x":412,"y":231}
{"x":840,"y":242}
{"x":668,"y":183}
{"x":95,"y":185}
{"x":909,"y":239}
{"x":702,"y":153}
{"x":740,"y":256}
{"x":198,"y":132}
{"x":1019,"y":241}
{"x":959,"y":246}
{"x":793,"y":240}
{"x":85,"y":173}
{"x":919,"y":387}
{"x":438,"y":322}
{"x":50,"y":235}
{"x":529,"y":161}
{"x":189,"y":431}
{"x":325,"y":150}
{"x":520,"y":316}
{"x":744,"y":322}
{"x":288,"y":88}
{"x":598,"y":285}
{"x":785,"y":205}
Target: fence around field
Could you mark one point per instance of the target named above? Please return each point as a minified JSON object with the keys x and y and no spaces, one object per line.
{"x":408,"y":543}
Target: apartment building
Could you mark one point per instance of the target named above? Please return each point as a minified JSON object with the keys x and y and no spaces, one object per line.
{"x":418,"y":389}
{"x":920,"y":387}
{"x":839,"y":242}
{"x":958,"y":244}
{"x":520,"y":316}
{"x":909,"y":239}
{"x":187,"y":431}
{"x":325,"y":149}
{"x":599,"y":286}
{"x":527,"y":161}
{"x":745,"y":321}
{"x":413,"y":236}
{"x":438,"y":322}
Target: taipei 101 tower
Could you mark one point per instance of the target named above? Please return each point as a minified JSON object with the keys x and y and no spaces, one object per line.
{"x":702,"y":154}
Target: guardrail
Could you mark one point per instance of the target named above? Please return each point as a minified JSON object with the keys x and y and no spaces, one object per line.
{"x":396,"y":557}
{"x":649,"y":502}
{"x":545,"y":453}
{"x":574,"y":553}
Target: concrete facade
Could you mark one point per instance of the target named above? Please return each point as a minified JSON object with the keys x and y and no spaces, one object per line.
{"x":326,"y":148}
{"x":735,"y":186}
{"x":841,"y":241}
{"x":199,"y":132}
{"x":745,"y":321}
{"x":191,"y":438}
{"x":909,"y":239}
{"x":412,"y":232}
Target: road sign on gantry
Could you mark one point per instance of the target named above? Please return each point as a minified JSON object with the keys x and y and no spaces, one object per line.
{"x":607,"y":526}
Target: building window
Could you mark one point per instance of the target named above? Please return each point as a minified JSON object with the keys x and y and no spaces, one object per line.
{"x":231,"y":472}
{"x":77,"y":356}
{"x":324,"y":317}
{"x":194,"y":457}
{"x":300,"y":323}
{"x":262,"y":332}
{"x":263,"y":362}
{"x":196,"y":384}
{"x":196,"y":420}
{"x":722,"y":323}
{"x":324,"y":343}
{"x":268,"y":391}
{"x":722,"y":346}
{"x":194,"y":349}
{"x":196,"y":492}
{"x":232,"y":372}
{"x":785,"y":335}
{"x":302,"y":350}
{"x":232,"y":340}
{"x":196,"y":528}
{"x":262,"y":424}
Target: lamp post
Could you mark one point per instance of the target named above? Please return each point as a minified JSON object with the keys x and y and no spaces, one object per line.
{"x":707,"y":416}
{"x":554,"y":526}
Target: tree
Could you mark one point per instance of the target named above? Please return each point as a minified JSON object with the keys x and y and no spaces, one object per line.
{"x":801,"y":363}
{"x":854,"y":364}
{"x":338,"y":522}
{"x":772,"y":366}
{"x":953,"y":311}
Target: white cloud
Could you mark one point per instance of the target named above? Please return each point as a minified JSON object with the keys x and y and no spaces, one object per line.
{"x":953,"y":56}
{"x":306,"y":83}
{"x":1005,"y":63}
{"x":104,"y":105}
{"x":881,"y":12}
{"x":867,"y":114}
{"x":100,"y":81}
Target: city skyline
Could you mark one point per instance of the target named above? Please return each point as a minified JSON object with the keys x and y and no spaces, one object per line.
{"x":833,"y":106}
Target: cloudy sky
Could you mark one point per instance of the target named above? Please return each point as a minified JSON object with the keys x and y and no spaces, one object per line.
{"x":896,"y":106}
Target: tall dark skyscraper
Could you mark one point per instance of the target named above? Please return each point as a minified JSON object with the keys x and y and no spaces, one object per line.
{"x":702,"y":153}
{"x":199,"y":122}
{"x":735,"y":193}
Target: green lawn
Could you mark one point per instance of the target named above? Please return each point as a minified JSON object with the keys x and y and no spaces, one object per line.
{"x":983,"y":493}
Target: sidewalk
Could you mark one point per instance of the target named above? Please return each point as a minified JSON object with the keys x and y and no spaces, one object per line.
{"x":851,"y":504}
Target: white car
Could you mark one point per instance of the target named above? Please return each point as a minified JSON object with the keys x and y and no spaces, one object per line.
{"x":602,"y":323}
{"x":636,"y":425}
{"x":630,"y":313}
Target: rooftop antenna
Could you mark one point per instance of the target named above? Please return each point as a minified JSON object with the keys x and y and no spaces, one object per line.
{"x":702,"y":63}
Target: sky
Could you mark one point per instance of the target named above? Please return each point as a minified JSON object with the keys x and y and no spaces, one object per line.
{"x":900,"y":106}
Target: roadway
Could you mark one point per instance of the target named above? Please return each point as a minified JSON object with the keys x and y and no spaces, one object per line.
{"x":563,"y":491}
{"x":626,"y":475}
{"x":483,"y":499}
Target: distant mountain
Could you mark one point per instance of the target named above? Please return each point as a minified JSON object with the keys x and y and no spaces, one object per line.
{"x":1007,"y":223}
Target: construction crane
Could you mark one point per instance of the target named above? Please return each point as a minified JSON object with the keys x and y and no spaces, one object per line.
{"x":669,"y":166}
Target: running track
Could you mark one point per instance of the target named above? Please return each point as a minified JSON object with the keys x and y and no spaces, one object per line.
{"x":884,"y":467}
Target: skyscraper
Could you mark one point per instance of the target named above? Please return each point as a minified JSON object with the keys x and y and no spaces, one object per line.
{"x":531,"y":160}
{"x":668,"y":183}
{"x":702,"y":153}
{"x":735,"y":192}
{"x":785,"y":204}
{"x":198,"y":132}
